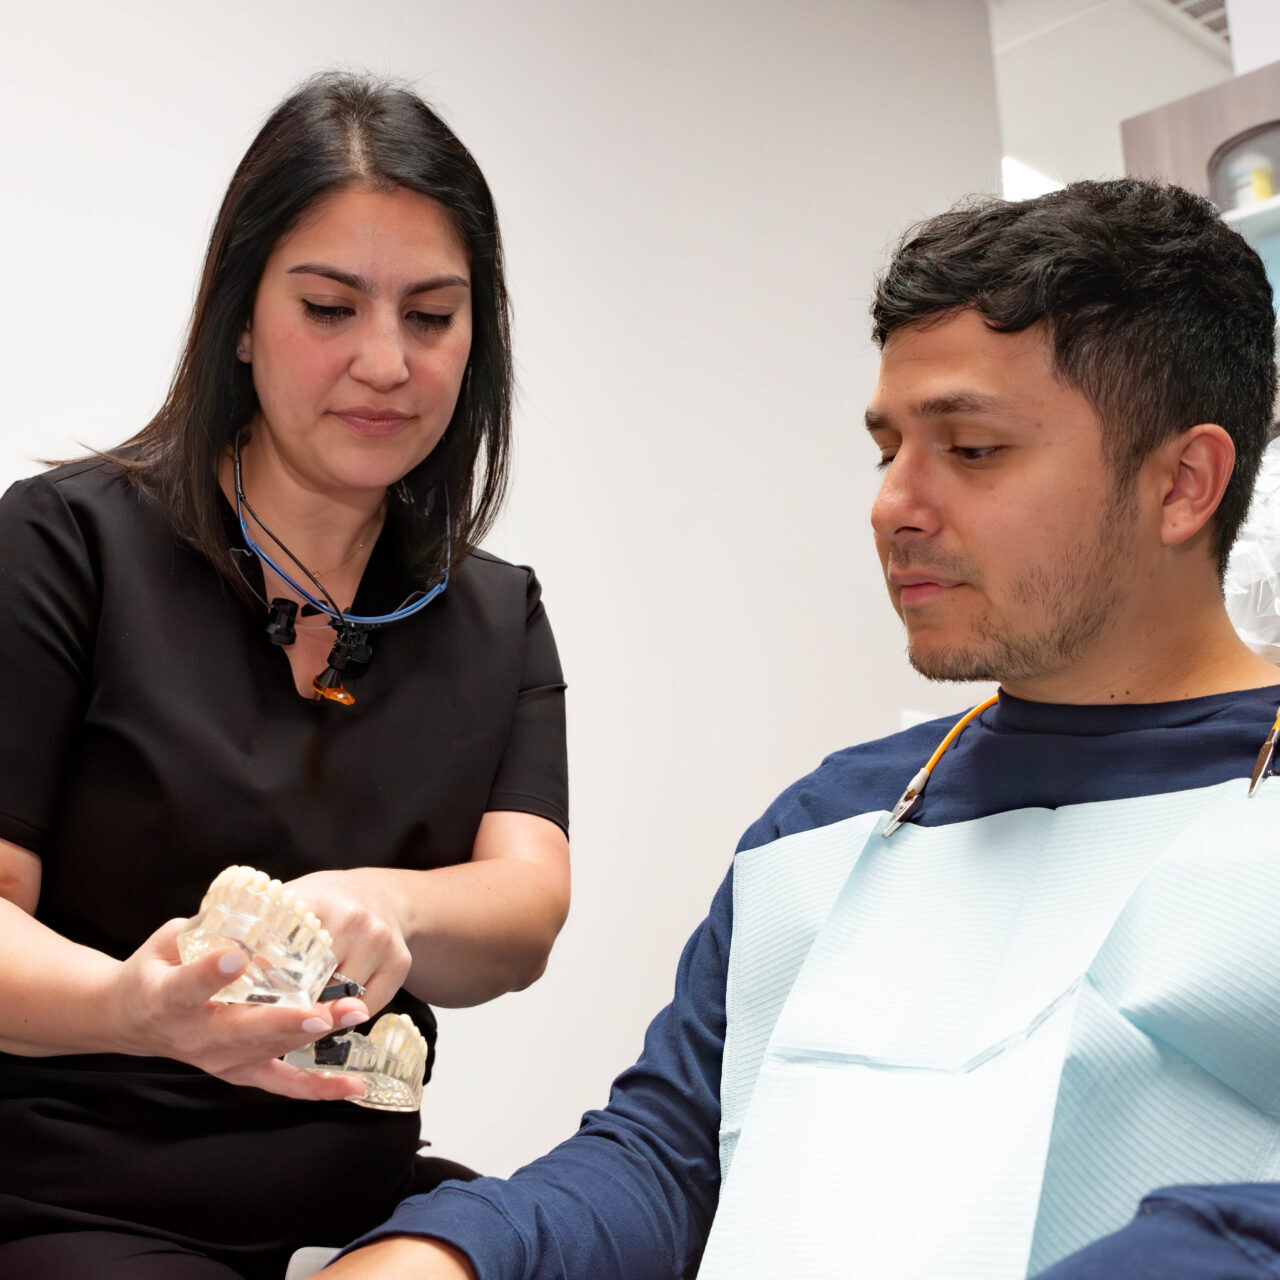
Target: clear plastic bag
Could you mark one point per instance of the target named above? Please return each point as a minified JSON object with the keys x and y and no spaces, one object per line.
{"x":1251,"y":585}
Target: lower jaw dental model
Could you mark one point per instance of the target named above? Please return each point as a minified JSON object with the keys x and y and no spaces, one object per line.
{"x":291,"y":960}
{"x":391,"y":1060}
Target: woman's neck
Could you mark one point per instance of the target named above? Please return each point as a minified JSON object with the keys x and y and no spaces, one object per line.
{"x":332,"y":534}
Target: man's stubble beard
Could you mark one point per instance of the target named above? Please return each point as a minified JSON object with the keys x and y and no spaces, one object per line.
{"x":1076,"y":598}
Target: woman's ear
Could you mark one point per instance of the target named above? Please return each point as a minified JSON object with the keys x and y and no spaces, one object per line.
{"x":244,"y":348}
{"x":1198,"y":466}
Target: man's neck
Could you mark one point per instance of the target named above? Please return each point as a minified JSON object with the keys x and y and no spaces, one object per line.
{"x":1192,"y":656}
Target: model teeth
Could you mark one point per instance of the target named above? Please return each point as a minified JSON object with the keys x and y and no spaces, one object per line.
{"x":290,"y":953}
{"x":391,"y":1059}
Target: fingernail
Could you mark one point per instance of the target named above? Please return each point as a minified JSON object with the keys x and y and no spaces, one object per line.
{"x":313,"y":1026}
{"x":232,"y":962}
{"x":352,"y":1019}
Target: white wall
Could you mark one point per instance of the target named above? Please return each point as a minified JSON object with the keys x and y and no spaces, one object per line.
{"x":1069,"y":71}
{"x":1255,"y":33}
{"x":695,"y":195}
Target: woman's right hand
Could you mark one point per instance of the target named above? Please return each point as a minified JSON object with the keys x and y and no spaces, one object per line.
{"x":161,"y":1007}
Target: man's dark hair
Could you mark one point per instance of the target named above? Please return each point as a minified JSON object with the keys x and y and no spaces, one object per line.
{"x":1155,"y":310}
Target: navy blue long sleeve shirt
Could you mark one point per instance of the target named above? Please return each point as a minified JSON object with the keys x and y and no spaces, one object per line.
{"x":632,"y":1194}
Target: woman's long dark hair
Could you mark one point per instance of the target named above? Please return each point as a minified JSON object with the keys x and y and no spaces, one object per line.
{"x":335,"y":131}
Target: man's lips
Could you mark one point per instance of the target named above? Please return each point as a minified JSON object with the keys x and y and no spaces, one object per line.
{"x":918,"y":588}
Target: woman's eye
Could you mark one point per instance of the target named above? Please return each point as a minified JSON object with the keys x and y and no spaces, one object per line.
{"x":326,"y":315}
{"x":429,"y":320}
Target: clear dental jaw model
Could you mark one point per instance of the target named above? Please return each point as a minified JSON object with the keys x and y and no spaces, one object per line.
{"x":291,"y":959}
{"x":290,"y":953}
{"x":392,"y":1059}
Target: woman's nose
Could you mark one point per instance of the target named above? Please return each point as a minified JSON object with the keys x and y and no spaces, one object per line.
{"x":381,"y":360}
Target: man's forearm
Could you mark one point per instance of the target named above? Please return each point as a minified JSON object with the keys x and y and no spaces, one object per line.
{"x":629,"y":1197}
{"x":402,"y":1258}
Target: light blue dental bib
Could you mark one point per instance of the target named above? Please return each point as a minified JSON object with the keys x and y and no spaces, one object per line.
{"x":966,"y":1051}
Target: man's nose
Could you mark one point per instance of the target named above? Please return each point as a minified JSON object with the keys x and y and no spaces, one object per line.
{"x":906,"y":502}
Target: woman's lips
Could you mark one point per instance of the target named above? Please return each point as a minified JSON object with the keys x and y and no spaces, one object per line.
{"x":372,"y":422}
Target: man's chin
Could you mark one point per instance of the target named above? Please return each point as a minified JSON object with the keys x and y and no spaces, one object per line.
{"x":952,"y":665}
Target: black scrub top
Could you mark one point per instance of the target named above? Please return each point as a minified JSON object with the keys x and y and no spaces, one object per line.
{"x":152,"y":735}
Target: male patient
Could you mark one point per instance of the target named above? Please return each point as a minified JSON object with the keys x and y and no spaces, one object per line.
{"x":970,"y":1046}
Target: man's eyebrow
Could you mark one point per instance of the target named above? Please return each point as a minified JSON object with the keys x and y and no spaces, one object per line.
{"x":960,"y":402}
{"x":361,"y":285}
{"x":943,"y":407}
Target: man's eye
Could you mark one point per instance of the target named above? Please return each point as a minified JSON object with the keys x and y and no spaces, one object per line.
{"x":979,"y":453}
{"x":885,"y":459}
{"x":326,"y":315}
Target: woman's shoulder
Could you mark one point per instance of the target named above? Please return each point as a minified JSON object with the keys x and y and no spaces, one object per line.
{"x":497,"y":583}
{"x":97,"y":478}
{"x":491,"y":568}
{"x":96,"y":493}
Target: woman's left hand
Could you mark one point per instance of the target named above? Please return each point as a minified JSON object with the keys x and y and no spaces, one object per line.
{"x":368,"y":935}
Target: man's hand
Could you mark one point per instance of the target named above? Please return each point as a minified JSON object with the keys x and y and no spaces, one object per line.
{"x":402,"y":1258}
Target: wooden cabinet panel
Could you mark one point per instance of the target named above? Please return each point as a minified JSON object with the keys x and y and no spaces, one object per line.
{"x":1177,"y":141}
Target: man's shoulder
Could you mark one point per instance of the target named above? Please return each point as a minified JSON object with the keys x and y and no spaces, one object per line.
{"x":865,"y":778}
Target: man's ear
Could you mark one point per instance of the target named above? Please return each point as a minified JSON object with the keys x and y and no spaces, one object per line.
{"x":1196,"y":466}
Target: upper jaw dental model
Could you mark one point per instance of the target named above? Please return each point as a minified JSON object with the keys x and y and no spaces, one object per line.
{"x":290,"y":953}
{"x":291,"y":961}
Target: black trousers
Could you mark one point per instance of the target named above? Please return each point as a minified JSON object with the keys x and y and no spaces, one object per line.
{"x":141,"y":1149}
{"x":119,"y":1255}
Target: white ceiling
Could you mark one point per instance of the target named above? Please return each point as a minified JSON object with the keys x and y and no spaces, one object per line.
{"x":1205,"y":21}
{"x":1069,"y":71}
{"x":1208,"y":15}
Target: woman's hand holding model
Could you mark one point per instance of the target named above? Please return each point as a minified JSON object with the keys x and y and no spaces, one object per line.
{"x":163,"y":1008}
{"x":78,"y":1000}
{"x":452,"y":936}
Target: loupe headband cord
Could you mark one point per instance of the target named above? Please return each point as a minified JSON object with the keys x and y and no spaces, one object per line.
{"x":329,"y":607}
{"x":910,"y":797}
{"x":242,"y":502}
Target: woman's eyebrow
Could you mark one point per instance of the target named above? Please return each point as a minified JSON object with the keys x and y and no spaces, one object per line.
{"x":361,"y":285}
